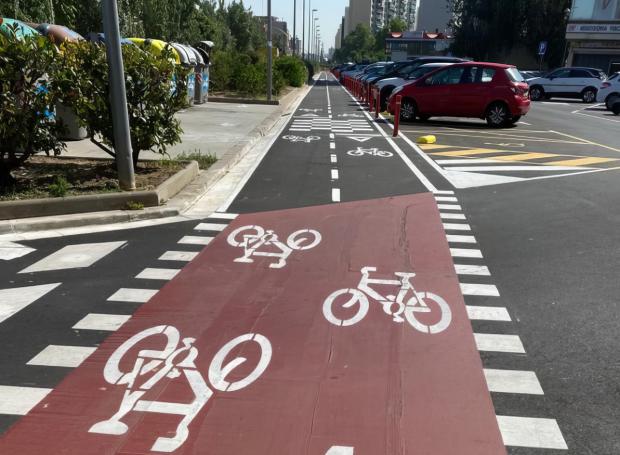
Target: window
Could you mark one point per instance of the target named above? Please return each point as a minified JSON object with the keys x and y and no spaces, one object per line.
{"x":581,"y":74}
{"x":487,"y":75}
{"x":449,"y":76}
{"x":559,"y":73}
{"x":514,"y":75}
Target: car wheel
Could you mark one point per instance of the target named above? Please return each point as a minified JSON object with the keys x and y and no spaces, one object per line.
{"x":408,"y":111}
{"x":515,"y":119}
{"x":611,"y":99}
{"x":498,"y":115}
{"x":424,"y":118}
{"x":615,"y":108}
{"x":537,"y":93}
{"x":589,"y":95}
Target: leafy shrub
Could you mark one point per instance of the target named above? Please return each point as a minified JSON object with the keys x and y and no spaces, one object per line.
{"x":156,"y":90}
{"x":205,"y":161}
{"x":293,"y":70}
{"x":59,"y":187}
{"x":26,"y":123}
{"x":221,"y":70}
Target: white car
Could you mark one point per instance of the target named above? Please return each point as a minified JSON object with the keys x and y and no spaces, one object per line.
{"x":575,"y":82}
{"x":609,"y":89}
{"x":387,"y":86}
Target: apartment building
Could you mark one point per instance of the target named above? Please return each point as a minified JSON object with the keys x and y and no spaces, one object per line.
{"x":433,"y":15}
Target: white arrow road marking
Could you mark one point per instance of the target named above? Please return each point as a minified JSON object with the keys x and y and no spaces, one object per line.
{"x":10,"y":250}
{"x":359,"y":139}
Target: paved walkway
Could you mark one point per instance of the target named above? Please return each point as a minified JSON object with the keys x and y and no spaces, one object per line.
{"x":208,"y":128}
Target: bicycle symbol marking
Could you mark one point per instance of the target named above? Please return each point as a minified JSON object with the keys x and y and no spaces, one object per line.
{"x":351,"y":115}
{"x":253,"y":238}
{"x":395,"y":306}
{"x":295,"y":139}
{"x":172,"y":362}
{"x":371,"y":151}
{"x":310,"y":110}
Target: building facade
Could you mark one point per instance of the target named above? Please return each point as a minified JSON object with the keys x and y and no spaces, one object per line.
{"x":434,"y":16}
{"x":593,"y":34}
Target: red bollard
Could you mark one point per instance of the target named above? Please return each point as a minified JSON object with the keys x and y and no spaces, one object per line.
{"x":397,"y":115}
{"x":371,"y":99}
{"x":377,"y":95}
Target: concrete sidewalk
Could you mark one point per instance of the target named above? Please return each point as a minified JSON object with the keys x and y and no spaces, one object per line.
{"x":211,"y":128}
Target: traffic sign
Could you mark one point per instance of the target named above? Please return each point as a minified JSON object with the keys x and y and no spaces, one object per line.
{"x":542,"y":48}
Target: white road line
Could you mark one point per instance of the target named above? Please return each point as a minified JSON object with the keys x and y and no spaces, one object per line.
{"x":456,"y":227}
{"x":501,"y":168}
{"x":461,"y":238}
{"x":332,"y":136}
{"x":74,"y":256}
{"x":106,"y":322}
{"x":184,"y":256}
{"x":334,"y":174}
{"x":446,"y":199}
{"x":466,"y":269}
{"x":489,"y":290}
{"x":132,"y":295}
{"x":513,"y":381}
{"x":210,"y":227}
{"x":499,"y":343}
{"x":487,"y":313}
{"x":597,"y":117}
{"x":20,"y":400}
{"x":449,"y":207}
{"x":465,"y":253}
{"x":13,"y":300}
{"x":333,"y":158}
{"x":223,"y":216}
{"x":443,"y":192}
{"x":195,"y":240}
{"x":336,"y":194}
{"x":531,"y":432}
{"x":555,"y":104}
{"x":332,"y":145}
{"x":452,"y":216}
{"x":469,"y":161}
{"x":62,"y":356}
{"x":151,"y":273}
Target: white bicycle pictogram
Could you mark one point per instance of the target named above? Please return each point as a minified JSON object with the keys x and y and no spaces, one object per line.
{"x":295,"y":139}
{"x":253,"y":238}
{"x":371,"y":151}
{"x":170,"y":363}
{"x":395,"y":306}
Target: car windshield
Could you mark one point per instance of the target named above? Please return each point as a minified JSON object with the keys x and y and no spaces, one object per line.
{"x":613,"y":77}
{"x":515,"y":75}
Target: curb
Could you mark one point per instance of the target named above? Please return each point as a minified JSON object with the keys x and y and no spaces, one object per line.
{"x":223,"y":99}
{"x":182,"y":195}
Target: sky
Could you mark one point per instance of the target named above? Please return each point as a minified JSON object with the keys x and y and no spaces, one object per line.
{"x":330,"y":14}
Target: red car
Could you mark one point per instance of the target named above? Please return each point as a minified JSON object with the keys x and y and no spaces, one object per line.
{"x":491,"y":91}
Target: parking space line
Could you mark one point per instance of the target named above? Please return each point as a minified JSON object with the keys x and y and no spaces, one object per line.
{"x":586,"y":141}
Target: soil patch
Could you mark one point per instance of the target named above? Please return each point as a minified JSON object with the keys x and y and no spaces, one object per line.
{"x":45,"y":177}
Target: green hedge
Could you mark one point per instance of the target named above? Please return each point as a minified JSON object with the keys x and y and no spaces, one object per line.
{"x":293,"y":70}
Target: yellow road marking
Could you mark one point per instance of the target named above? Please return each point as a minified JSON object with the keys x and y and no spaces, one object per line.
{"x":471,"y":152}
{"x":580,"y":161}
{"x":525,"y":156}
{"x":435,"y":147}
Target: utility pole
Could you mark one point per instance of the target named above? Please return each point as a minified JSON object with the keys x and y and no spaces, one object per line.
{"x":309,"y":27}
{"x":303,"y":31}
{"x":269,"y":52}
{"x":118,"y":97}
{"x":294,"y":27}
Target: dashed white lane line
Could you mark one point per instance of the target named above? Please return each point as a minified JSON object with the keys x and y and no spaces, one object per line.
{"x":151,"y":273}
{"x":184,"y":256}
{"x":132,"y":295}
{"x":443,"y":192}
{"x":449,"y":207}
{"x":195,"y":240}
{"x":488,"y":290}
{"x":456,"y":227}
{"x":531,"y":432}
{"x":461,"y":238}
{"x":211,"y":227}
{"x":13,"y":300}
{"x":513,"y":381}
{"x":335,"y":175}
{"x":452,"y":216}
{"x":333,"y":158}
{"x":499,"y":343}
{"x":332,"y":145}
{"x":20,"y":400}
{"x":446,"y":199}
{"x":106,"y":322}
{"x":465,"y":253}
{"x":488,"y":313}
{"x":466,"y":269}
{"x":336,"y":194}
{"x":62,"y":356}
{"x":223,"y":215}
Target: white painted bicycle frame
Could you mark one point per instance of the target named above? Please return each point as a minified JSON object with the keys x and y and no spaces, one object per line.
{"x":371,"y":151}
{"x":306,"y":140}
{"x":166,"y":365}
{"x":252,"y":243}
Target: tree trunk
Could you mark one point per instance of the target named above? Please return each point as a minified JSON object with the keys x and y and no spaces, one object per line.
{"x":7,"y":181}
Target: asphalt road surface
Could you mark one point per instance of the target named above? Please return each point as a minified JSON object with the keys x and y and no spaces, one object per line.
{"x":359,"y":295}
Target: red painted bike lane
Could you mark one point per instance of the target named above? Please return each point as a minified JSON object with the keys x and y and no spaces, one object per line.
{"x":327,"y":345}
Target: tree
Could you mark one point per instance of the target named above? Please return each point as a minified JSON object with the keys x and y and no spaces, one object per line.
{"x":359,"y":45}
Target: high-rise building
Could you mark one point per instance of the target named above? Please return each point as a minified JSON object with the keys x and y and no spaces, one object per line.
{"x":338,"y":44}
{"x":378,"y":14}
{"x":434,"y":15}
{"x":360,"y":12}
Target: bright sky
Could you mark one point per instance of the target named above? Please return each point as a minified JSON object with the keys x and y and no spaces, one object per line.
{"x":329,"y":12}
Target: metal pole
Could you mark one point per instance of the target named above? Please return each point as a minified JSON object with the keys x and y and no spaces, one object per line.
{"x":310,"y":22}
{"x":118,"y":97}
{"x":294,"y":27}
{"x":303,"y":31}
{"x":269,"y":52}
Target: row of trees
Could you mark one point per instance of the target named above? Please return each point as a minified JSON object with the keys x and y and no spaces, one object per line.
{"x":361,"y":44}
{"x":491,"y":29}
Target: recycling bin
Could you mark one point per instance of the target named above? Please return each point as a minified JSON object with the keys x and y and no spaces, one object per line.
{"x":202,"y":77}
{"x":198,"y":71}
{"x":188,"y":59}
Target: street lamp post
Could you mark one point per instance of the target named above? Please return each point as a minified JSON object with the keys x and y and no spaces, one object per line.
{"x":567,"y":12}
{"x":118,"y":97}
{"x":315,"y":28}
{"x":303,"y":31}
{"x":294,"y":26}
{"x":269,"y":53}
{"x":310,"y":27}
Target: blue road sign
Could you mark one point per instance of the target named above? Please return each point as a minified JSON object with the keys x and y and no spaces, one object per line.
{"x":542,"y":47}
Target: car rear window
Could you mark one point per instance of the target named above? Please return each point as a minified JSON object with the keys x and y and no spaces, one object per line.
{"x":514,"y":75}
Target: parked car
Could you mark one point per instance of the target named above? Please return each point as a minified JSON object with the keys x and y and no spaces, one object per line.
{"x":351,"y":71}
{"x":387,"y":86}
{"x":576,"y":82}
{"x":608,"y":90}
{"x":531,"y":74}
{"x":491,"y":91}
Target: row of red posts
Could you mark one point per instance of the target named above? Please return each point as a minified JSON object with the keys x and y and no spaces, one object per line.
{"x":363,"y":93}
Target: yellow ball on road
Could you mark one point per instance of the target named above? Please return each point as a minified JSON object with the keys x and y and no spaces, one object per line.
{"x":430,"y":139}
